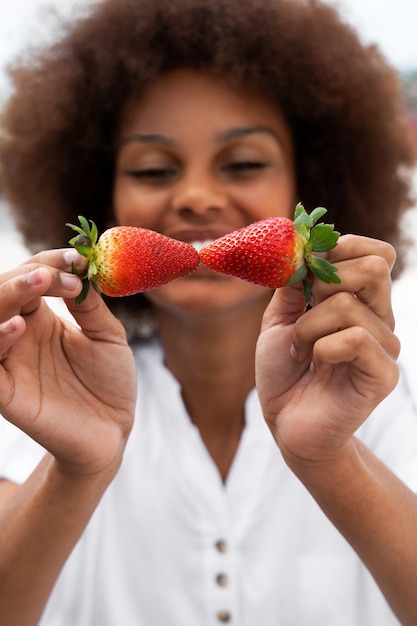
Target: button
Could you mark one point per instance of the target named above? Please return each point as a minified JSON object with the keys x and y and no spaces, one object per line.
{"x":222,"y":580}
{"x":221,"y":546}
{"x":224,"y":616}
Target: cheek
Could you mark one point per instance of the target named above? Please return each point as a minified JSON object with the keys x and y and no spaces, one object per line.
{"x":270,"y":200}
{"x":133,"y":207}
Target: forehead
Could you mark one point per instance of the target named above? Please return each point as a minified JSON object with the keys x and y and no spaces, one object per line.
{"x":197,"y":99}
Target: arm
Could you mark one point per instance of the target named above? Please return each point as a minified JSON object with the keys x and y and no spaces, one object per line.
{"x":39,"y":526}
{"x":339,"y":363}
{"x":377,"y":514}
{"x":58,"y":384}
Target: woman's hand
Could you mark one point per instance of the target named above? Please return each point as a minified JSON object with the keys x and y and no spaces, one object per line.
{"x":72,"y":389}
{"x":321,"y":373}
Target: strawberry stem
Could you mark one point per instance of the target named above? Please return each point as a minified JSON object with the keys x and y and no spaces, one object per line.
{"x":84,"y":243}
{"x":317,"y":238}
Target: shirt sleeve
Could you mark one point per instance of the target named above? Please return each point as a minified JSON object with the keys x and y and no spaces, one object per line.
{"x":19,"y":454}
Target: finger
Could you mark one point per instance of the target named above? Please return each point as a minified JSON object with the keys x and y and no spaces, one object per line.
{"x":62,"y":285}
{"x":95,"y":319}
{"x":376,"y":373}
{"x":369,"y":278}
{"x":21,"y":289}
{"x":355,"y":246}
{"x":10,"y":332}
{"x":61,"y":259}
{"x":340,"y":312}
{"x":285,"y":307}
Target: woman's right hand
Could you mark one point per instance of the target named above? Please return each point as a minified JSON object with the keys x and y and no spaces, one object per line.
{"x":71,"y":388}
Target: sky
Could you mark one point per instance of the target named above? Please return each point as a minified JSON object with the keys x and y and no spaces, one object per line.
{"x":392,"y":24}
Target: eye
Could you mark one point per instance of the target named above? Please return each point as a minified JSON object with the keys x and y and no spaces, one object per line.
{"x":244,"y":169}
{"x":153,"y":175}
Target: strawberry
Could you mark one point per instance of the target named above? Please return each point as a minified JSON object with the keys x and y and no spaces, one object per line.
{"x":276,"y":251}
{"x":126,"y":260}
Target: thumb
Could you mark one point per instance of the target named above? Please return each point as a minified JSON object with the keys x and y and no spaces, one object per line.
{"x":95,"y":319}
{"x":286,"y":306}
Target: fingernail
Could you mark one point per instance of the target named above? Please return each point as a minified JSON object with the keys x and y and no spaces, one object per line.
{"x":34,"y":278}
{"x":69,"y":281}
{"x":72,"y":257}
{"x":8,"y":327}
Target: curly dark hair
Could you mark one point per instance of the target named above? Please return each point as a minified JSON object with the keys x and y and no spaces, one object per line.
{"x":354,"y":151}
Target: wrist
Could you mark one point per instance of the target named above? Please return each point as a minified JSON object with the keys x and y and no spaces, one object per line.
{"x":82,"y":485}
{"x":326,"y":473}
{"x":89,"y":461}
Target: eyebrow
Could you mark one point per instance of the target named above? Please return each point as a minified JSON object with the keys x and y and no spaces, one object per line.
{"x":227,"y":135}
{"x":245,"y":131}
{"x":151,"y":139}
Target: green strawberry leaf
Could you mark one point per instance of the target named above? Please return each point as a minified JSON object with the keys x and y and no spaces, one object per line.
{"x":323,"y":237}
{"x":84,"y":250}
{"x":299,"y":212}
{"x":302,"y":221}
{"x":324,"y":270}
{"x":90,"y":233}
{"x":74,"y":270}
{"x":93,"y":233}
{"x":298,"y":275}
{"x":317,"y":213}
{"x":317,"y":238}
{"x":84,"y":243}
{"x":307,"y":289}
{"x":76,"y":228}
{"x":83,"y":293}
{"x":85,"y":225}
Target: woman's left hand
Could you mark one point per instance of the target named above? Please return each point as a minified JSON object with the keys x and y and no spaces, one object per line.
{"x":321,"y":373}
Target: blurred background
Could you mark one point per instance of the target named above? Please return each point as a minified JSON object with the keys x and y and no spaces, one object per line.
{"x":391,"y":24}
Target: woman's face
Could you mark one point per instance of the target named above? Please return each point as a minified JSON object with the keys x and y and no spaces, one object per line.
{"x":196,"y":160}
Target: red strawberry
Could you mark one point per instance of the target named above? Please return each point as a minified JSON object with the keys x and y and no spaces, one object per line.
{"x":276,"y":251}
{"x":126,"y":260}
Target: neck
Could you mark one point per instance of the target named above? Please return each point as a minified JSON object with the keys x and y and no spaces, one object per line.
{"x":213,"y":358}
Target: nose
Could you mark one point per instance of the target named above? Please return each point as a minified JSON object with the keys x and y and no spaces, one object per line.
{"x":198,"y":198}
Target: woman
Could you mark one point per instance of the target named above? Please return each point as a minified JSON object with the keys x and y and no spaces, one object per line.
{"x":194,"y":119}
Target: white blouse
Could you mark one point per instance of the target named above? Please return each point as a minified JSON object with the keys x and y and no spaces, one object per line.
{"x":171,"y":545}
